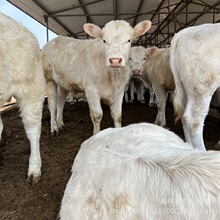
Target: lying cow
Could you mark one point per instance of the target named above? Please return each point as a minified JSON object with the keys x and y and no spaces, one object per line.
{"x":195,"y":62}
{"x":153,"y":67}
{"x":21,"y":76}
{"x":96,"y":67}
{"x":142,"y":171}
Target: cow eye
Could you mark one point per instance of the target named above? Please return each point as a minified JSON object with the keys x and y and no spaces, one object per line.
{"x":144,"y":58}
{"x":129,"y":41}
{"x":104,"y":41}
{"x":129,"y":58}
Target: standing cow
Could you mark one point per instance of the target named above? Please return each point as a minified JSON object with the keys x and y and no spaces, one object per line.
{"x":195,"y":62}
{"x":153,"y":66}
{"x":21,"y":76}
{"x":96,"y":67}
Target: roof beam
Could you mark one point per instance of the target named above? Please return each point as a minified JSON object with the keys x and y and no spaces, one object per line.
{"x":55,"y":19}
{"x":138,"y":10}
{"x":115,"y":8}
{"x":88,"y":18}
{"x":157,"y":9}
{"x":205,"y":11}
{"x":123,"y":14}
{"x":177,"y":10}
{"x":74,"y":7}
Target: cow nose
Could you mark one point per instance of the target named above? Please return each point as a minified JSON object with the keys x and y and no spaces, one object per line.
{"x":136,"y":72}
{"x":115,"y":62}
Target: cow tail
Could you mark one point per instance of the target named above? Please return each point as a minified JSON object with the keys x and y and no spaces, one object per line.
{"x":179,"y":93}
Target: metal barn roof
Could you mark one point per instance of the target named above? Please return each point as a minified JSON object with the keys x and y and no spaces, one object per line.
{"x":66,"y":17}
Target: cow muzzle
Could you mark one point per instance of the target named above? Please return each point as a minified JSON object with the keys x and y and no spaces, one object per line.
{"x":136,"y":73}
{"x":115,"y":62}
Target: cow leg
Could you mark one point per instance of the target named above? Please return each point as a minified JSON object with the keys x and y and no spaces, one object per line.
{"x":31,"y":113}
{"x":161,"y":105}
{"x":193,"y":118}
{"x":116,"y":110}
{"x":1,"y":126}
{"x":62,"y":93}
{"x":126,"y":93}
{"x":70,"y":97}
{"x":95,"y":108}
{"x":152,"y":100}
{"x":52,"y":104}
{"x":141,"y":93}
{"x":132,"y":91}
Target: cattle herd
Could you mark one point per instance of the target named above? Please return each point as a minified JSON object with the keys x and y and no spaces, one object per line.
{"x":142,"y":171}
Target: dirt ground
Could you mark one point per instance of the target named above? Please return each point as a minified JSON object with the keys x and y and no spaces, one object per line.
{"x":22,"y":201}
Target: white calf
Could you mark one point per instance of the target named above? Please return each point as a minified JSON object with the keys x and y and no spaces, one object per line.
{"x":96,"y":67}
{"x":152,"y":65}
{"x":21,"y":76}
{"x":142,"y":171}
{"x":195,"y":62}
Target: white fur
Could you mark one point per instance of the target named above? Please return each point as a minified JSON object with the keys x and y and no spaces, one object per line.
{"x":21,"y":76}
{"x":155,"y":72}
{"x":195,"y":62}
{"x":84,"y":65}
{"x":142,"y":171}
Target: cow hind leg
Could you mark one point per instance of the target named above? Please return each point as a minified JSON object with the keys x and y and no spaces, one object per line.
{"x":31,"y":113}
{"x":161,"y":105}
{"x":52,"y":105}
{"x":1,"y":127}
{"x":193,"y":119}
{"x":152,"y":100}
{"x":62,"y":93}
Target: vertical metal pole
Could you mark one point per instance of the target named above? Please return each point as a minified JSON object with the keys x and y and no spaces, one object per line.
{"x":47,"y":26}
{"x":213,"y":19}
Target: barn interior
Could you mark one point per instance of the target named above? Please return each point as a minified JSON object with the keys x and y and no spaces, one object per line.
{"x":22,"y":201}
{"x":66,"y":17}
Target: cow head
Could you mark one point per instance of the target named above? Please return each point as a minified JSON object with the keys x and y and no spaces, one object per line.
{"x":117,"y":37}
{"x":136,"y":60}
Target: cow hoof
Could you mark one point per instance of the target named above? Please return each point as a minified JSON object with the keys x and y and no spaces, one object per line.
{"x":33,"y":179}
{"x":72,"y":103}
{"x":62,"y":128}
{"x":152,"y":105}
{"x":54,"y":133}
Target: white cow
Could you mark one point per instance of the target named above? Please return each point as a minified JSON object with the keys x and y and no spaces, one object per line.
{"x":142,"y":171}
{"x":195,"y":62}
{"x":136,"y":63}
{"x":21,"y":76}
{"x":96,"y":67}
{"x":153,"y":67}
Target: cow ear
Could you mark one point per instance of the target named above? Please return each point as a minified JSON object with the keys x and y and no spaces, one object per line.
{"x":92,"y":30}
{"x":141,"y":28}
{"x":151,"y":51}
